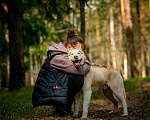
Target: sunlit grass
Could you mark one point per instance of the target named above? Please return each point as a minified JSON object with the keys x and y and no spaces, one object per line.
{"x":17,"y":105}
{"x":131,"y":84}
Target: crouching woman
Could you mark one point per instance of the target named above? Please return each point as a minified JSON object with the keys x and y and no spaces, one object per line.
{"x":59,"y":80}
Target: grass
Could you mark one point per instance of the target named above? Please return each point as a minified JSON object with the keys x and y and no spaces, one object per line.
{"x":17,"y":104}
{"x":131,"y":84}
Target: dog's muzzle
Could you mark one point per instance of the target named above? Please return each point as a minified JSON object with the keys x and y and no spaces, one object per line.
{"x":77,"y":62}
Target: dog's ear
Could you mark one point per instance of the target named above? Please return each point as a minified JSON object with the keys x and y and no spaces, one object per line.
{"x":69,"y":52}
{"x":80,"y":48}
{"x":83,"y":59}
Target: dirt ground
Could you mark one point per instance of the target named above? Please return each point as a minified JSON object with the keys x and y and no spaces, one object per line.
{"x":138,"y":107}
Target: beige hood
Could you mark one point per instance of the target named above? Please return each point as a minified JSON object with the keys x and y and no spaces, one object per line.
{"x":61,"y":62}
{"x":58,"y":47}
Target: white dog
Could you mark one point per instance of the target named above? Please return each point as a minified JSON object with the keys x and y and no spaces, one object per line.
{"x":98,"y":77}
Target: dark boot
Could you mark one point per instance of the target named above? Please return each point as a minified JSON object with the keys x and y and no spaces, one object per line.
{"x":69,"y":105}
{"x":61,"y":110}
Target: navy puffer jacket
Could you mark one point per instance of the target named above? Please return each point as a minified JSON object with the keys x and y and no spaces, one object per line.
{"x":45,"y":92}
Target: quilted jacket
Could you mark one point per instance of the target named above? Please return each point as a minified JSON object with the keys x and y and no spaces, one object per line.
{"x":45,"y":91}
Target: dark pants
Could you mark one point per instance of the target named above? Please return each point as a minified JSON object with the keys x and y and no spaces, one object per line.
{"x":75,"y":83}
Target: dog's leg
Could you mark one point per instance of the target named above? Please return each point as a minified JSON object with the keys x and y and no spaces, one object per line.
{"x":120,"y":96}
{"x":108,"y":93}
{"x":117,"y":86}
{"x":86,"y":102}
{"x":77,"y":104}
{"x":86,"y":94}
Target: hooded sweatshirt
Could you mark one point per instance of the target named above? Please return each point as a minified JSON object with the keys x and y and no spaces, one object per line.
{"x":61,"y":62}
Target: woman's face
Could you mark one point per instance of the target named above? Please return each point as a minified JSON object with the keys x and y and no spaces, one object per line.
{"x":76,"y":46}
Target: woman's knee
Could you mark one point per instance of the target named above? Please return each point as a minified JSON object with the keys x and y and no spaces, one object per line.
{"x":77,"y":79}
{"x":80,"y":79}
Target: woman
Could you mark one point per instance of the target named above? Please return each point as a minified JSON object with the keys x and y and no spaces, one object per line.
{"x":66,"y":76}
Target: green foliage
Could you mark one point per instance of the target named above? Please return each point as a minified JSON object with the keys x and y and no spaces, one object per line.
{"x":43,"y":24}
{"x":131,"y":84}
{"x":17,"y":105}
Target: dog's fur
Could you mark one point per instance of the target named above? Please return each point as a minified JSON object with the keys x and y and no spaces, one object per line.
{"x":99,"y":77}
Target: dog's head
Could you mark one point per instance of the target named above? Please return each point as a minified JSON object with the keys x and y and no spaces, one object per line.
{"x":77,"y":57}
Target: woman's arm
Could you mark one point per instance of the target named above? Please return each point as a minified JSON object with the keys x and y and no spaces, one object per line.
{"x":84,"y":69}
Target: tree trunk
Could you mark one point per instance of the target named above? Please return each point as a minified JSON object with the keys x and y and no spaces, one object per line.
{"x":89,"y":36}
{"x":112,"y":40}
{"x":31,"y":67}
{"x":123,"y":15}
{"x":36,"y":68}
{"x":130,"y":41}
{"x":120,"y":56}
{"x":98,"y":36}
{"x":8,"y":70}
{"x":0,"y":78}
{"x":74,"y":15}
{"x":107,"y":35}
{"x":82,"y":17}
{"x":143,"y":46}
{"x":149,"y":4}
{"x":7,"y":58}
{"x":17,"y":71}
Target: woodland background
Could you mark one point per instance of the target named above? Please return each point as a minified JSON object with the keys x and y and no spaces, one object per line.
{"x":116,"y":34}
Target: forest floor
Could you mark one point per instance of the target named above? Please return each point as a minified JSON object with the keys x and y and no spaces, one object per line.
{"x":138,"y":107}
{"x":17,"y":105}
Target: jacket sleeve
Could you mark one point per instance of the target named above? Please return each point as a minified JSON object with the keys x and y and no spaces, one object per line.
{"x":61,"y":62}
{"x":84,"y":69}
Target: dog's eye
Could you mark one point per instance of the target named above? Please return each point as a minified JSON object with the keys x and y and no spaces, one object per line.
{"x":78,"y":53}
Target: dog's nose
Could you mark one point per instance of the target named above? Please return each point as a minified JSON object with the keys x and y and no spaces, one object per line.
{"x":75,"y":57}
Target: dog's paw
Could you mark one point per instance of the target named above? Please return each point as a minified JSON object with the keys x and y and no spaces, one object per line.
{"x":75,"y":115}
{"x":124,"y":115}
{"x":111,"y":112}
{"x":84,"y":116}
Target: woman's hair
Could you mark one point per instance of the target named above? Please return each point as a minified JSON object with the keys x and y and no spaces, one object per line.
{"x":72,"y":38}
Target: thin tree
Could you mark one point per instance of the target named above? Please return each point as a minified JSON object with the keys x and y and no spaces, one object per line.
{"x":98,"y":34}
{"x":149,"y":4}
{"x":107,"y":34}
{"x":112,"y":40}
{"x":143,"y":46}
{"x":82,"y":19}
{"x":123,"y":16}
{"x":31,"y":67}
{"x":119,"y":56}
{"x":130,"y":41}
{"x":89,"y":34}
